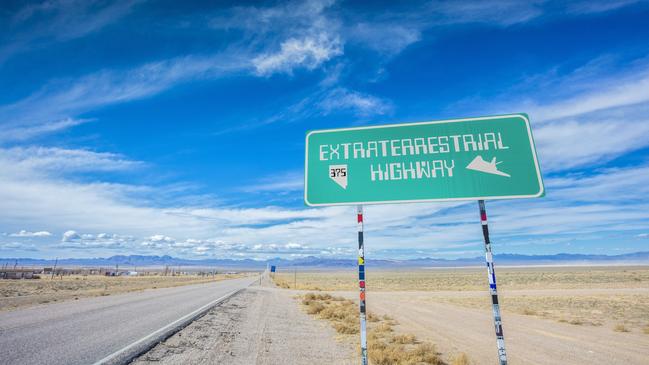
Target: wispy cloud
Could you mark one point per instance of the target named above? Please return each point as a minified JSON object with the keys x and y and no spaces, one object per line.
{"x":61,"y":98}
{"x":278,"y":183}
{"x":588,"y":116}
{"x":61,"y":161}
{"x":23,"y":133}
{"x":38,"y":25}
{"x":574,"y":206}
{"x":363,"y":105}
{"x":286,"y":36}
{"x":388,"y":37}
{"x":53,"y":107}
{"x":581,"y":119}
{"x":13,"y":247}
{"x":590,"y":7}
{"x":325,"y":100}
{"x":499,"y":12}
{"x":599,"y":92}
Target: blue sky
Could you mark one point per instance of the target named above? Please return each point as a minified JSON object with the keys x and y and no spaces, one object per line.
{"x":155,"y":127}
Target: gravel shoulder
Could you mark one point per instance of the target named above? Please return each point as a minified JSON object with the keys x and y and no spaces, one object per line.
{"x":261,"y":325}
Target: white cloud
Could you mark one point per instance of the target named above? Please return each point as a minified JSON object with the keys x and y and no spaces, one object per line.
{"x":24,"y":233}
{"x":292,"y":35}
{"x":307,"y":52}
{"x":73,"y":239}
{"x":293,"y":245}
{"x":579,"y":205}
{"x":36,"y":194}
{"x":341,"y":99}
{"x":160,"y":241}
{"x":69,"y":236}
{"x":161,"y":238}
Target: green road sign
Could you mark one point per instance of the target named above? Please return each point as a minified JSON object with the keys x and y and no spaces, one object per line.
{"x":460,"y":159}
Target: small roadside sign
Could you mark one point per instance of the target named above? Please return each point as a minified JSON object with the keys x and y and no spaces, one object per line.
{"x":460,"y":159}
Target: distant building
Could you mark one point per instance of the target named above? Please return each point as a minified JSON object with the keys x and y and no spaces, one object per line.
{"x":18,"y":274}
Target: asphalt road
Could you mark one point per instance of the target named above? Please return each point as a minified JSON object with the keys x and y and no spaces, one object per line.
{"x":87,"y":330}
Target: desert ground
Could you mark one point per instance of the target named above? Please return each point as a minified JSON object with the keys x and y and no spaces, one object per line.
{"x":568,"y":315}
{"x":572,"y":315}
{"x":16,"y":294}
{"x":262,"y":325}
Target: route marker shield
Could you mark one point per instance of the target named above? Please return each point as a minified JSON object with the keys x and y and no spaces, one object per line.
{"x":461,"y":159}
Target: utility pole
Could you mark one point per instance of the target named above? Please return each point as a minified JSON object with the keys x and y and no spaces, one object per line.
{"x":54,"y":269}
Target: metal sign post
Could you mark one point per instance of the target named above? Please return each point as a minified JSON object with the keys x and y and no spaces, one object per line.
{"x":361,"y":286}
{"x":491,"y":157}
{"x":500,"y":339}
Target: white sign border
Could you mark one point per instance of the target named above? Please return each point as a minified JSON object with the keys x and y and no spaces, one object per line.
{"x":522,"y":116}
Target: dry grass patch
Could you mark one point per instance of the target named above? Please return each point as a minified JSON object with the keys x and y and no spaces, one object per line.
{"x":407,"y":339}
{"x":529,"y":312}
{"x":645,"y":330}
{"x":620,"y":327}
{"x":384,"y":345}
{"x":461,"y":359}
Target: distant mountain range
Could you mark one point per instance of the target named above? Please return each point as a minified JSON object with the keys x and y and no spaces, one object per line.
{"x":328,"y":263}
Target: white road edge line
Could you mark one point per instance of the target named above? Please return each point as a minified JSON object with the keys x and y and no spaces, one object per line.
{"x":161,"y":332}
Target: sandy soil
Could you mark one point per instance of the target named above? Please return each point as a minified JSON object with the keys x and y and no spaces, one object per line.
{"x":25,"y":293}
{"x":262,"y":325}
{"x":467,"y":279}
{"x":529,"y":340}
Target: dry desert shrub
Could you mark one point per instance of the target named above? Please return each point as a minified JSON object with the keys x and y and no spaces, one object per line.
{"x":529,"y":312}
{"x":461,"y":359}
{"x":384,"y":346}
{"x":620,"y":327}
{"x":372,"y":318}
{"x":406,"y":339}
{"x":314,"y":308}
{"x":381,"y":353}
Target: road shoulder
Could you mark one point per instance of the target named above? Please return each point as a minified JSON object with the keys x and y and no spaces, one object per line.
{"x":257,"y":326}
